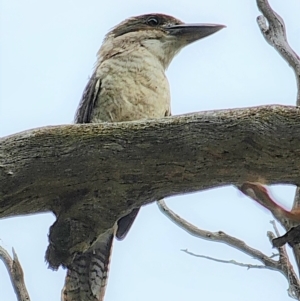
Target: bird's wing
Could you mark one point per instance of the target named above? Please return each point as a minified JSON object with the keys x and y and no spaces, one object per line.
{"x":86,"y":278}
{"x":87,"y":275}
{"x":125,"y":223}
{"x":88,"y":100}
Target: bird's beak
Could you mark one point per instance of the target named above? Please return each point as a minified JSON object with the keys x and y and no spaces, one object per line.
{"x":189,"y":33}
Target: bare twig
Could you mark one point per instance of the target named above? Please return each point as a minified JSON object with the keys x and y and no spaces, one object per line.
{"x":282,"y":265}
{"x":16,"y":274}
{"x":275,"y":34}
{"x":275,"y":228}
{"x":283,"y":256}
{"x":219,"y":236}
{"x":246,"y":265}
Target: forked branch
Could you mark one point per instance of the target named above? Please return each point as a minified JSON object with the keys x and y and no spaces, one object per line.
{"x":15,"y":273}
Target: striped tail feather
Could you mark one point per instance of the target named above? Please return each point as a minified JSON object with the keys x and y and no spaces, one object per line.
{"x":86,"y":278}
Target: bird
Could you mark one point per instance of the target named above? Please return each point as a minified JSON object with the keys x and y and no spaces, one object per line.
{"x":128,"y":84}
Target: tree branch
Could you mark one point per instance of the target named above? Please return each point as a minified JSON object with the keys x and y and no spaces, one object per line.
{"x":73,"y":170}
{"x":234,"y":262}
{"x":16,"y":274}
{"x":286,"y":267}
{"x":282,"y":265}
{"x":219,"y":236}
{"x":49,"y":168}
{"x":275,"y":35}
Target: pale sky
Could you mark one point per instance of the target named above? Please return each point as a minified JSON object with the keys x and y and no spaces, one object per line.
{"x":48,"y":50}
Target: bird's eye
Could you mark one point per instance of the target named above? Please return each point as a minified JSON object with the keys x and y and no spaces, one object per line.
{"x":153,"y":21}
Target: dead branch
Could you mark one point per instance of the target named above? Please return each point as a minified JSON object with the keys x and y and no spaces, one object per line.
{"x":16,"y":274}
{"x":219,"y":236}
{"x":286,"y":266}
{"x":273,"y":29}
{"x":283,"y":265}
{"x":234,"y":262}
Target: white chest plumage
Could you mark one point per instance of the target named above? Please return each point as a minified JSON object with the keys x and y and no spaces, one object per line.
{"x":133,"y":87}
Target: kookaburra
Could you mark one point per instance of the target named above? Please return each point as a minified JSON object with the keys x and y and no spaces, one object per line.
{"x":128,"y":83}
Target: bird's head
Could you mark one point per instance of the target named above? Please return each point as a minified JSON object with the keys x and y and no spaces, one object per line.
{"x":162,"y":35}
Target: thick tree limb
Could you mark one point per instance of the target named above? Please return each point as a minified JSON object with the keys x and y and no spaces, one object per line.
{"x":49,"y":168}
{"x":90,"y":175}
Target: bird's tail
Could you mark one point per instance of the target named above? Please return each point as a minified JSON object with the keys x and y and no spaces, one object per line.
{"x":86,"y":278}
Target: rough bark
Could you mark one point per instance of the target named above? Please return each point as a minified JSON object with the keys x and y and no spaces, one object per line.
{"x":126,"y":164}
{"x":90,"y":175}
